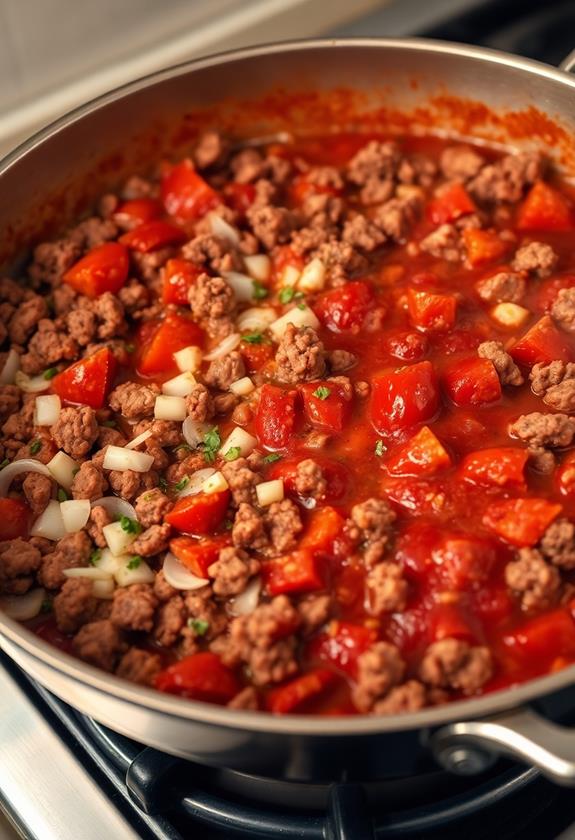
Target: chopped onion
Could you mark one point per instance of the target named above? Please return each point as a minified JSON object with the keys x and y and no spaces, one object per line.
{"x":115,"y":507}
{"x":108,"y":562}
{"x":189,"y":359}
{"x":242,"y":387}
{"x":31,"y":384}
{"x":120,"y":458}
{"x":23,"y":607}
{"x":170,"y":408}
{"x":90,"y":572}
{"x":269,"y":492}
{"x":194,"y":432}
{"x":118,"y":540}
{"x":49,"y":524}
{"x":10,"y":369}
{"x":312,"y":278}
{"x":223,"y":229}
{"x":62,"y":468}
{"x":75,"y":514}
{"x":296,"y":316}
{"x":139,"y":574}
{"x":47,"y":410}
{"x":195,"y":482}
{"x":259,"y":266}
{"x":139,"y":439}
{"x":283,"y":137}
{"x":242,"y":285}
{"x":256,"y":319}
{"x":179,"y":577}
{"x":224,"y":347}
{"x":103,"y":589}
{"x":247,"y":601}
{"x":241,"y":440}
{"x":180,"y":386}
{"x":290,"y":275}
{"x":24,"y":465}
{"x":216,"y":483}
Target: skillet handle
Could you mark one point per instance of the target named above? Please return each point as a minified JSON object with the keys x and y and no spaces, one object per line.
{"x":568,"y":63}
{"x":470,"y":747}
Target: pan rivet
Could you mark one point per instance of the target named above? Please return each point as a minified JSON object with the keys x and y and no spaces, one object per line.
{"x":464,"y":761}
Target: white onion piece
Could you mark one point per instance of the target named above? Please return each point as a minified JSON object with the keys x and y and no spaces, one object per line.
{"x":108,"y":562}
{"x":24,"y":465}
{"x":194,"y":432}
{"x":122,"y":459}
{"x":240,"y":439}
{"x":23,"y":607}
{"x":116,"y":507}
{"x":269,"y":492}
{"x":180,"y":386}
{"x":189,"y":359}
{"x":103,"y":589}
{"x":216,"y":483}
{"x":31,"y":384}
{"x":89,"y":572}
{"x":298,"y":317}
{"x":139,"y":574}
{"x":259,"y":266}
{"x":170,"y":408}
{"x":49,"y":524}
{"x":312,"y":278}
{"x":179,"y":577}
{"x":247,"y":601}
{"x":195,"y":481}
{"x":242,"y":285}
{"x":10,"y":369}
{"x":75,"y":514}
{"x":256,"y":319}
{"x":224,"y":347}
{"x":62,"y":468}
{"x":139,"y":439}
{"x":223,"y":229}
{"x":118,"y":540}
{"x":47,"y":410}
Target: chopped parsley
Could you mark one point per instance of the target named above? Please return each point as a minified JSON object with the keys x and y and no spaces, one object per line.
{"x":50,"y":373}
{"x":199,"y":625}
{"x":228,"y":524}
{"x":212,"y":443}
{"x":163,"y":484}
{"x":130,"y":526}
{"x":272,"y":458}
{"x":302,"y":306}
{"x":4,"y":463}
{"x":259,"y":290}
{"x":134,"y":562}
{"x":288,"y":293}
{"x":62,"y":495}
{"x":322,"y":393}
{"x":380,"y":448}
{"x":35,"y":447}
{"x":181,"y":483}
{"x":94,"y":557}
{"x":183,"y":447}
{"x":232,"y":453}
{"x":253,"y":337}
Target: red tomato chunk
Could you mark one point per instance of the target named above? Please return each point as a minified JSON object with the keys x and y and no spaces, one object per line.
{"x":201,"y":676}
{"x":103,"y":269}
{"x":404,"y":397}
{"x":87,"y":381}
{"x":472,"y":382}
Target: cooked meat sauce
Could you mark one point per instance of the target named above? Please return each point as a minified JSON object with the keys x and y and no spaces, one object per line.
{"x":291,"y":427}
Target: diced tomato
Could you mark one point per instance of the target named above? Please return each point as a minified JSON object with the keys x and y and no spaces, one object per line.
{"x":275,"y":417}
{"x":256,"y":356}
{"x":173,"y":333}
{"x":285,"y":257}
{"x":185,"y":194}
{"x":103,"y":269}
{"x":404,"y":397}
{"x":322,"y":529}
{"x":335,"y":474}
{"x":295,"y":572}
{"x":326,"y":405}
{"x":565,"y":475}
{"x":472,"y":382}
{"x":415,"y":550}
{"x":502,"y":466}
{"x":302,"y":188}
{"x":545,"y":208}
{"x":541,"y":343}
{"x":483,"y":246}
{"x":239,"y":197}
{"x":200,"y":514}
{"x":448,"y":621}
{"x":140,"y":210}
{"x":431,"y":312}
{"x":547,"y":291}
{"x":153,"y":235}
{"x":493,"y":603}
{"x":292,"y":695}
{"x":464,"y":562}
{"x":201,"y":676}
{"x":423,"y":454}
{"x":407,"y":345}
{"x":198,"y":555}
{"x":14,"y":519}
{"x":543,"y":637}
{"x":346,"y":307}
{"x":521,"y":521}
{"x":178,"y":278}
{"x":449,"y":203}
{"x":341,"y":645}
{"x":87,"y":381}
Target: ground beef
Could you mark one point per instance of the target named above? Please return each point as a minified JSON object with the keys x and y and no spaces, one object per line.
{"x":100,"y":643}
{"x":10,"y":396}
{"x":133,"y":607}
{"x":137,"y":187}
{"x":99,"y":518}
{"x":199,"y":404}
{"x":151,"y":507}
{"x":211,"y":149}
{"x":246,"y":699}
{"x":547,"y":430}
{"x":248,"y":530}
{"x":25,"y":319}
{"x":309,"y":480}
{"x":48,"y":346}
{"x":558,"y":544}
{"x":341,"y":360}
{"x":70,"y":552}
{"x":506,"y":179}
{"x":460,"y":163}
{"x":386,"y":588}
{"x":409,"y":697}
{"x":212,"y":302}
{"x":444,"y":242}
{"x":162,"y":589}
{"x":555,"y":382}
{"x":222,"y":372}
{"x":283,"y":525}
{"x":89,"y":482}
{"x":340,"y":259}
{"x":111,"y":316}
{"x":134,"y":400}
{"x":38,"y":491}
{"x":94,"y":231}
{"x":541,"y":460}
{"x":11,"y":291}
{"x":536,"y":258}
{"x":314,"y":611}
{"x":211,"y":251}
{"x":74,"y":605}
{"x":455,"y":664}
{"x":396,"y":216}
{"x":19,"y":561}
{"x":52,"y":259}
{"x":502,"y":287}
{"x":232,"y":571}
{"x":507,"y":370}
{"x":362,"y":233}
{"x":242,"y":480}
{"x":271,"y":225}
{"x":532,"y":580}
{"x":369,"y":526}
{"x":379,"y":669}
{"x":153,"y":540}
{"x":82,"y":325}
{"x":373,"y":168}
{"x":21,"y":425}
{"x":76,"y":431}
{"x":170,"y":619}
{"x":139,"y":666}
{"x":134,"y":297}
{"x":300,"y":356}
{"x":563,"y":309}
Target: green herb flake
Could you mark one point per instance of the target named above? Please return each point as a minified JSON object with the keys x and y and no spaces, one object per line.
{"x":130,"y":526}
{"x":253,"y":337}
{"x":4,"y":463}
{"x":380,"y":448}
{"x":62,"y":495}
{"x":259,"y":290}
{"x":322,"y":393}
{"x":130,"y":348}
{"x":199,"y":625}
{"x":50,"y":373}
{"x":181,"y":483}
{"x":163,"y":484}
{"x":212,"y":443}
{"x":183,"y":447}
{"x":94,"y":557}
{"x":35,"y":447}
{"x":232,"y":453}
{"x":228,"y":524}
{"x":272,"y":458}
{"x":134,"y":562}
{"x":302,"y":306}
{"x":47,"y":606}
{"x":286,"y":294}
